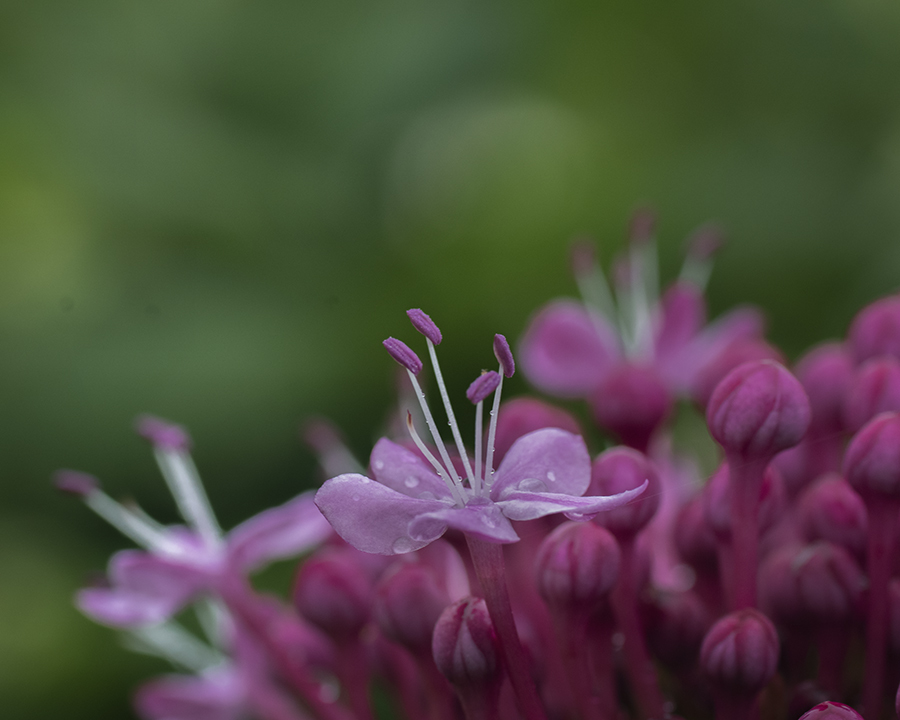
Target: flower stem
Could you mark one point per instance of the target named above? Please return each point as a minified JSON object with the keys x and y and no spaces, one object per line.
{"x":490,"y":570}
{"x":745,"y":479}
{"x":882,"y":517}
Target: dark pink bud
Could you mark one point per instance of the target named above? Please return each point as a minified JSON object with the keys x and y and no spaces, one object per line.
{"x":408,"y":603}
{"x":740,"y":652}
{"x":642,"y":226}
{"x":872,"y":459}
{"x":830,"y":510}
{"x":163,"y":434}
{"x":830,"y":582}
{"x":825,"y":373}
{"x":737,"y":353}
{"x":424,"y":325}
{"x":779,"y":590}
{"x":333,"y":592}
{"x":874,"y":390}
{"x":75,"y":483}
{"x":631,"y":402}
{"x":465,"y":645}
{"x":717,"y":500}
{"x":504,"y":355}
{"x":676,"y":624}
{"x":577,"y":566}
{"x":832,"y":711}
{"x":805,"y":697}
{"x":615,"y":471}
{"x":758,"y":410}
{"x":876,"y":329}
{"x":706,"y":241}
{"x":403,"y":355}
{"x":523,"y":415}
{"x":482,"y":386}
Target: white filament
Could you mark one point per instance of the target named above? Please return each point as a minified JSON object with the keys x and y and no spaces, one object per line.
{"x":453,"y":487}
{"x":172,"y":642}
{"x":454,"y":428}
{"x":184,"y":483}
{"x":479,"y":421}
{"x":429,"y":421}
{"x":492,"y":432}
{"x":148,"y":535}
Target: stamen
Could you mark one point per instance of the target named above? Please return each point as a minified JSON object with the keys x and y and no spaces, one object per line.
{"x":702,"y":247}
{"x":479,"y":422}
{"x":170,"y":446}
{"x":591,"y":282}
{"x":172,"y":642}
{"x":403,"y":355}
{"x":482,"y":386}
{"x":424,"y":325}
{"x":331,"y":451}
{"x":130,"y":524}
{"x":451,"y":418}
{"x":504,"y":355}
{"x":642,"y":226}
{"x":451,"y":485}
{"x":436,"y":436}
{"x":642,"y":255}
{"x":492,"y":433}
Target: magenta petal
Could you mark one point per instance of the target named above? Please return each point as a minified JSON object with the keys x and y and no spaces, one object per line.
{"x":157,"y":576}
{"x":548,"y":460}
{"x":278,"y":533}
{"x":521,"y":505}
{"x":481,"y":518}
{"x":406,"y":472}
{"x":565,"y":351}
{"x":219,"y":696}
{"x":124,"y":608}
{"x":683,"y":310}
{"x":374,"y":518}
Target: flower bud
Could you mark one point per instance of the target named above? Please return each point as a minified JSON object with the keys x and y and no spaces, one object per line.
{"x":830,"y":510}
{"x":676,"y":624}
{"x":740,"y":652}
{"x":738,"y":352}
{"x":830,"y":582}
{"x":694,"y":537}
{"x":465,"y":645}
{"x":830,"y":710}
{"x":876,"y":329}
{"x":333,"y":592}
{"x":874,"y":390}
{"x":523,"y":415}
{"x":758,"y":410}
{"x":615,"y":471}
{"x":408,"y":603}
{"x":826,"y":373}
{"x":683,"y":316}
{"x":779,"y":590}
{"x":872,"y":459}
{"x":631,"y":402}
{"x":577,"y":566}
{"x":805,"y":697}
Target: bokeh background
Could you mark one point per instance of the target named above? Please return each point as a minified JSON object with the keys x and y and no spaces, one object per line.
{"x":215,"y":211}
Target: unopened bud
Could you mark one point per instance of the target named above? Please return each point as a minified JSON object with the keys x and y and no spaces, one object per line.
{"x":615,"y":471}
{"x":758,"y":410}
{"x":830,"y":510}
{"x":577,"y":566}
{"x":874,"y":390}
{"x":872,"y":459}
{"x":523,"y":415}
{"x":465,"y":645}
{"x":825,"y":373}
{"x":717,"y":500}
{"x":740,"y":652}
{"x":333,"y":593}
{"x":408,"y":603}
{"x":631,"y":402}
{"x":830,"y":710}
{"x":876,"y":329}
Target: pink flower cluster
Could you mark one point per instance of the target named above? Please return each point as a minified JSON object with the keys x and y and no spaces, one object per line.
{"x":520,"y":576}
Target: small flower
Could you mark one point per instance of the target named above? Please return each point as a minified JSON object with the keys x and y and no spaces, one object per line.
{"x":412,"y":501}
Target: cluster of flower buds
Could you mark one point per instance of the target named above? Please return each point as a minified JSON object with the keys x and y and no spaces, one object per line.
{"x":522,"y":577}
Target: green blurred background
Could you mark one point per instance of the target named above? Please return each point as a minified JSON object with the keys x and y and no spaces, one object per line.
{"x":215,"y":211}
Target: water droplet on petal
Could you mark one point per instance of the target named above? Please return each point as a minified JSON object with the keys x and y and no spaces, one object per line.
{"x":551,"y":476}
{"x":489,"y":521}
{"x":411,"y":481}
{"x":378,"y":464}
{"x":402,"y":545}
{"x":356,"y":498}
{"x":532,"y":485}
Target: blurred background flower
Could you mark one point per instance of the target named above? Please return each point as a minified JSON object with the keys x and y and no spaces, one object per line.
{"x":215,"y":211}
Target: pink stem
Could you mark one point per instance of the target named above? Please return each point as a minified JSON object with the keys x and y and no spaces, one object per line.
{"x":490,"y":570}
{"x":882,"y":517}
{"x":730,"y":706}
{"x":638,"y":665}
{"x":353,"y":672}
{"x":745,"y":481}
{"x":600,"y":630}
{"x":572,"y":626}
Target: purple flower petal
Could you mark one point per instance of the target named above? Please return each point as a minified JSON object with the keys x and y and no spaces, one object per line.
{"x":375,"y":518}
{"x":522,"y":505}
{"x":278,"y":533}
{"x":214,"y":696}
{"x":406,"y":472}
{"x":565,"y":351}
{"x":547,"y":460}
{"x":124,"y":608}
{"x":481,"y":518}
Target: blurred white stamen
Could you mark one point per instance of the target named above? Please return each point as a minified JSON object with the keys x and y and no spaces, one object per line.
{"x":454,"y":428}
{"x":172,"y":642}
{"x":453,"y":487}
{"x":492,"y":432}
{"x":429,"y":421}
{"x":149,"y":535}
{"x":181,"y":475}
